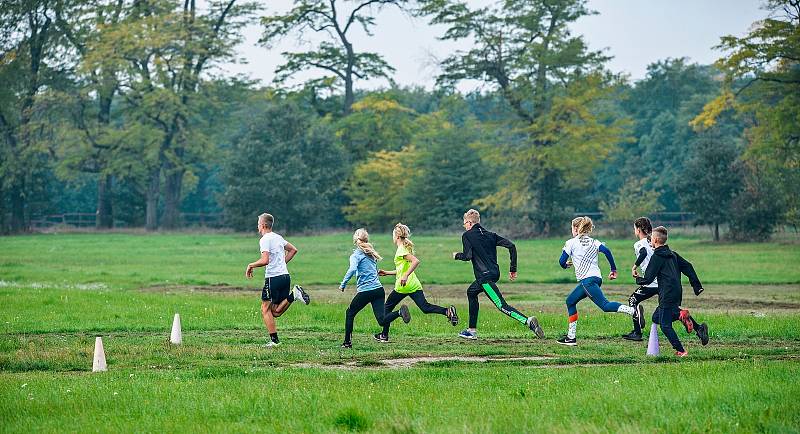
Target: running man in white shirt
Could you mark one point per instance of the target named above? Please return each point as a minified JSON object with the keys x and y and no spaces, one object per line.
{"x":584,"y":250}
{"x":277,"y":294}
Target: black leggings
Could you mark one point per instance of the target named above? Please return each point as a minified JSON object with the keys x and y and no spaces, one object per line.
{"x":489,"y":287}
{"x":360,"y":301}
{"x":664,"y":316}
{"x":641,"y":294}
{"x":419,"y":299}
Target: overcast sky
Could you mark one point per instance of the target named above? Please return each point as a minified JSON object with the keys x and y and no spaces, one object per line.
{"x":634,"y":32}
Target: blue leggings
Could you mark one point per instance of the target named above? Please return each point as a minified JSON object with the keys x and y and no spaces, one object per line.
{"x":589,"y":287}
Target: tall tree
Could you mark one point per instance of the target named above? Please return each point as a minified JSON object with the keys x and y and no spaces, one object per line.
{"x":29,"y":62}
{"x":710,"y":179}
{"x":553,"y":83}
{"x":94,"y":144}
{"x":762,"y":85}
{"x":166,"y":51}
{"x":335,"y":55}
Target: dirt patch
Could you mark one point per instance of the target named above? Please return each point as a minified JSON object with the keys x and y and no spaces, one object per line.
{"x":408,"y":362}
{"x":219,"y":287}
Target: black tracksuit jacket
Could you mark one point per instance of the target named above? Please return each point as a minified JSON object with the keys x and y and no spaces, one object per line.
{"x":480,"y":247}
{"x":667,"y":266}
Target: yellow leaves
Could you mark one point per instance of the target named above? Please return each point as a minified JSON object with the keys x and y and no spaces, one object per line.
{"x":712,"y":110}
{"x":380,"y":104}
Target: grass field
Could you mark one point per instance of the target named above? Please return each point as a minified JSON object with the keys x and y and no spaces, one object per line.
{"x":57,"y":292}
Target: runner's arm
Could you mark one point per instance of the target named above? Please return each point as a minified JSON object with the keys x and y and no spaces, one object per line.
{"x":264,"y":260}
{"x":652,"y":271}
{"x":642,"y":256}
{"x":466,"y":254}
{"x":512,"y":251}
{"x":291,"y":250}
{"x":606,"y":251}
{"x":350,"y":271}
{"x":688,"y":270}
{"x":562,"y":261}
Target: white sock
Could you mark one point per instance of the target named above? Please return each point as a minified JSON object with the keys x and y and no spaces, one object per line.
{"x":627,"y":309}
{"x":573,"y":329}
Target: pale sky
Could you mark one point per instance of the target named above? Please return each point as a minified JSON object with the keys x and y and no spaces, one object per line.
{"x":634,"y":32}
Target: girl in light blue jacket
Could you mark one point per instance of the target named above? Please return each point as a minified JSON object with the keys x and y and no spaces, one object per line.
{"x":364,"y":264}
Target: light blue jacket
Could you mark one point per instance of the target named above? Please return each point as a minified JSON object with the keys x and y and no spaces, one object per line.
{"x":366,"y":268}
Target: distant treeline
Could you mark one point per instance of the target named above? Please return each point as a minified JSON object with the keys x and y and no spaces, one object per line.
{"x":112,"y":107}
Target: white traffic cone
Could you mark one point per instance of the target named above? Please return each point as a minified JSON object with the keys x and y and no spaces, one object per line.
{"x":652,"y":343}
{"x":99,"y":363}
{"x":176,"y":337}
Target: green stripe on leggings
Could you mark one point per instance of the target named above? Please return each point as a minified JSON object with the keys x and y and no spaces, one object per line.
{"x":496,"y":300}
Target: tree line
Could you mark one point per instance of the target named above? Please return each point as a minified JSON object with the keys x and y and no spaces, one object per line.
{"x":117,"y":107}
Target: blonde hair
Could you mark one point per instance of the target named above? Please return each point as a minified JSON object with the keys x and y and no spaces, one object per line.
{"x":472,"y":216}
{"x":361,"y":240}
{"x":659,"y":234}
{"x":402,"y":232}
{"x":583,"y":225}
{"x":267,"y":220}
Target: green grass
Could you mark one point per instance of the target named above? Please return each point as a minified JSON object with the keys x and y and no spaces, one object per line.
{"x":60,"y":291}
{"x":133,"y":261}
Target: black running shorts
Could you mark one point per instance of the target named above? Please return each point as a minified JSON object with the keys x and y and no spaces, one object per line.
{"x":276,"y":288}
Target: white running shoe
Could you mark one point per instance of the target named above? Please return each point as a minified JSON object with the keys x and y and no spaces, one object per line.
{"x":300,"y":294}
{"x":270,"y":343}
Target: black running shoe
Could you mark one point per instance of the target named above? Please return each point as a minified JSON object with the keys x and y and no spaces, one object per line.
{"x":702,"y":333}
{"x":638,"y":316}
{"x":533,"y":324}
{"x":347,"y":345}
{"x":565,"y":340}
{"x":380,"y":337}
{"x":633,"y":336}
{"x":405,"y":314}
{"x":452,"y":315}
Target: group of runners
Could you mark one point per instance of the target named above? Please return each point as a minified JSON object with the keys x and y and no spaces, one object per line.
{"x":662,"y":269}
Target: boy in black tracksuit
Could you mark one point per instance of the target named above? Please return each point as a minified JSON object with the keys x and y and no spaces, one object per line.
{"x":480,"y":247}
{"x":667,"y":266}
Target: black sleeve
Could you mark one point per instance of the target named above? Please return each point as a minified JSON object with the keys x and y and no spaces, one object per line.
{"x":652,"y":271}
{"x":466,"y":254}
{"x":512,"y":250}
{"x":687,"y":269}
{"x":642,"y":256}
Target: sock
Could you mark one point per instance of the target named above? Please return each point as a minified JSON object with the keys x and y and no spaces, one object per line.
{"x":695,"y":324}
{"x":627,"y":309}
{"x":291,"y":296}
{"x":274,"y":337}
{"x":573,"y":329}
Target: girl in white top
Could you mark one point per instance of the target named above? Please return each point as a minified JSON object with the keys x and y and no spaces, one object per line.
{"x":642,"y":227}
{"x":584,"y":250}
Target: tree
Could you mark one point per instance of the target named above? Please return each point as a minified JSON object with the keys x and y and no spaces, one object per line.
{"x":451,"y":175}
{"x":762,"y":85}
{"x":285,"y":161}
{"x":29,"y":62}
{"x":336,"y":55}
{"x":165,"y":51}
{"x":710,"y":179}
{"x":555,"y":86}
{"x":93,"y":147}
{"x":632,"y":201}
{"x":378,"y":189}
{"x":378,"y":122}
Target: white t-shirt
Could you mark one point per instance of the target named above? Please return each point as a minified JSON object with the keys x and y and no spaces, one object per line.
{"x":583,"y":250}
{"x":638,"y":246}
{"x":274,"y":244}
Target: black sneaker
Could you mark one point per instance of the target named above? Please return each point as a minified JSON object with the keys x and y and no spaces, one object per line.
{"x":452,"y":315}
{"x":380,"y":337}
{"x":702,"y":333}
{"x":405,"y":314}
{"x":347,"y":345}
{"x":533,"y":324}
{"x":633,"y":336}
{"x":565,"y":340}
{"x":638,"y":316}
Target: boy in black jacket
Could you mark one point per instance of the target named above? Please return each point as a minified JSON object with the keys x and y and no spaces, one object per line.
{"x":667,"y":266}
{"x":480,"y":247}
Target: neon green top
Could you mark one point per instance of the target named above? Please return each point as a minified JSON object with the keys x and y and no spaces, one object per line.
{"x":401,"y":265}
